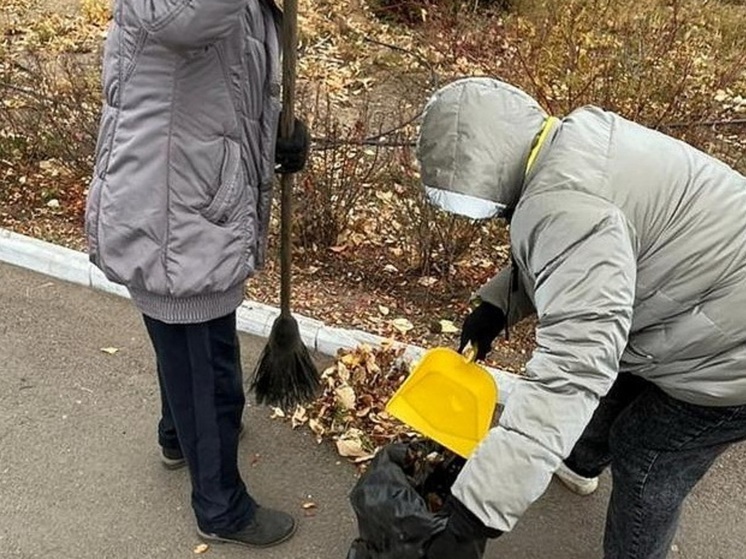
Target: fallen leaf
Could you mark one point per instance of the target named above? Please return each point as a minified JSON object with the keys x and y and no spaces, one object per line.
{"x":384,"y":196}
{"x":350,"y":444}
{"x":363,"y":412}
{"x":346,"y":397}
{"x":349,"y":360}
{"x":402,"y":324}
{"x":427,"y":281}
{"x":316,"y":427}
{"x":299,"y":417}
{"x":371,"y":365}
{"x":343,"y":372}
{"x":448,"y":327}
{"x":351,"y":448}
{"x":383,"y":310}
{"x":277,"y":412}
{"x":201,"y":548}
{"x":375,"y":418}
{"x":110,"y":350}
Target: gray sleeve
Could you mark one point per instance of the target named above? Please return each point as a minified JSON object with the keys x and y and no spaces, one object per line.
{"x":582,"y":260}
{"x":497,"y":293}
{"x":189,"y":24}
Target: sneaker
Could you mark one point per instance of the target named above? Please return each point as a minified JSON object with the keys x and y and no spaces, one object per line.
{"x":173,"y":458}
{"x":575,"y":482}
{"x":268,"y":527}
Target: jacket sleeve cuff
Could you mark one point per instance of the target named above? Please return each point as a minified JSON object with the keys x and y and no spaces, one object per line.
{"x":466,"y":525}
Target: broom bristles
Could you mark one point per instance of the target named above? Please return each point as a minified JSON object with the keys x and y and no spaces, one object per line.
{"x":285,"y":375}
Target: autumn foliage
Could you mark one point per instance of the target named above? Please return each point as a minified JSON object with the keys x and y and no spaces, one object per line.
{"x":366,"y":68}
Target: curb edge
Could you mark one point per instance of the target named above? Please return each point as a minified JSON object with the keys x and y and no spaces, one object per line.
{"x":252,"y":317}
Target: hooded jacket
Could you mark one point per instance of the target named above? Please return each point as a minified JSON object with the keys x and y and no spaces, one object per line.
{"x":629,"y":247}
{"x":178,"y":208}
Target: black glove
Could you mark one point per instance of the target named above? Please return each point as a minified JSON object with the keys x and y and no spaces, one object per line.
{"x":481,"y":328}
{"x":291,"y":154}
{"x":464,"y":537}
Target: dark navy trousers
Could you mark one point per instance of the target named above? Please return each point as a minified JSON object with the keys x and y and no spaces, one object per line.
{"x":658,"y":448}
{"x":202,"y":399}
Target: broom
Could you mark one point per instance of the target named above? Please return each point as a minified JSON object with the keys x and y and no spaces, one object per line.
{"x":285,"y":375}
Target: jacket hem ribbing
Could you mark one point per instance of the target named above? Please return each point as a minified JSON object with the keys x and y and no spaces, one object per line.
{"x":188,"y":310}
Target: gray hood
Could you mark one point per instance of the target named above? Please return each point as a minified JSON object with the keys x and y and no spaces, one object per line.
{"x":628,"y":247}
{"x":475,"y":140}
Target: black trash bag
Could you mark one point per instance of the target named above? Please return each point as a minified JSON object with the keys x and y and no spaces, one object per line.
{"x":397,"y":501}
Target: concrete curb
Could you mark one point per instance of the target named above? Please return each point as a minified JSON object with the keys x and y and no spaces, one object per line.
{"x":252,"y":317}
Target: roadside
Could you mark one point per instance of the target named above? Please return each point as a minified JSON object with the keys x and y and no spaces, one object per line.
{"x":80,"y":478}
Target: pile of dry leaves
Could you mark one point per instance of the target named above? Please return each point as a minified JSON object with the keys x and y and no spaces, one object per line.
{"x":351,"y":409}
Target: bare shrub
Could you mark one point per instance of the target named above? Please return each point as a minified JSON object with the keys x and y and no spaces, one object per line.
{"x":414,"y":12}
{"x":50,"y":109}
{"x":433,"y":240}
{"x":340,"y":171}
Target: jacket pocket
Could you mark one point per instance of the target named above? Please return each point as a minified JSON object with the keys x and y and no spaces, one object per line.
{"x":649,"y":322}
{"x":672,"y":332}
{"x":691,"y":336}
{"x":227,"y":196}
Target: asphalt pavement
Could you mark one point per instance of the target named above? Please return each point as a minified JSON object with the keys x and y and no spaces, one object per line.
{"x":80,"y":476}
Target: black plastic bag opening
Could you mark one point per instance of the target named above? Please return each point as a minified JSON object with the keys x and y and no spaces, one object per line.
{"x":398,"y":501}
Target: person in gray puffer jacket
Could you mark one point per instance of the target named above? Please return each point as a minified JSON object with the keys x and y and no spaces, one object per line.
{"x":628,"y":245}
{"x":178,"y":211}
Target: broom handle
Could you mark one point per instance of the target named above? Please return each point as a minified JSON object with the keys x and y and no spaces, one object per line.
{"x":289,"y":58}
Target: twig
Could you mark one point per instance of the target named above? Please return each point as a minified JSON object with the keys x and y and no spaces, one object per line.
{"x":327,"y":143}
{"x":734,"y":122}
{"x":434,"y":79}
{"x":17,"y":65}
{"x":376,"y":140}
{"x":323,"y":144}
{"x":26,"y":91}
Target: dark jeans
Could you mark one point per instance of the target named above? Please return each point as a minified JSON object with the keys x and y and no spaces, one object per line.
{"x":202,"y":401}
{"x":658,"y":448}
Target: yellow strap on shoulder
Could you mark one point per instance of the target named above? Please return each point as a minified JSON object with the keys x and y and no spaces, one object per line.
{"x":540,"y":141}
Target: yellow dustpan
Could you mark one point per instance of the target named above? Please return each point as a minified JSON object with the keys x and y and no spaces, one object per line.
{"x":447,"y":398}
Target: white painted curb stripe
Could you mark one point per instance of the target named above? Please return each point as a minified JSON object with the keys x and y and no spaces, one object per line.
{"x":252,"y":317}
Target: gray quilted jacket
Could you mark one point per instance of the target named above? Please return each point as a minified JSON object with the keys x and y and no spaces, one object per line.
{"x":179,"y":204}
{"x":630,"y":247}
